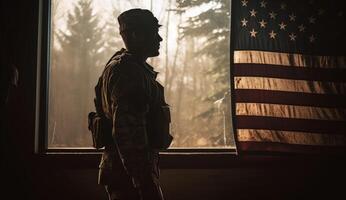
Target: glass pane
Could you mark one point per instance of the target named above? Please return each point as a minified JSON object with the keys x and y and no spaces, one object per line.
{"x":193,"y":67}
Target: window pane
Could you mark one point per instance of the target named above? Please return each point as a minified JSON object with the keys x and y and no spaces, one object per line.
{"x":193,"y":67}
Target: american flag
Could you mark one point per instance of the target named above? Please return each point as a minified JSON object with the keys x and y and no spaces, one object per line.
{"x":289,"y":74}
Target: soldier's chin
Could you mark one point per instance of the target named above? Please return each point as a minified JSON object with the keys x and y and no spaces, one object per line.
{"x":154,"y":53}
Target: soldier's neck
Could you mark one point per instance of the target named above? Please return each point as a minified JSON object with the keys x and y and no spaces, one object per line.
{"x":139,"y":57}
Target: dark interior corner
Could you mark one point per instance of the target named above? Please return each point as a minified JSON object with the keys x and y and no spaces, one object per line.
{"x":26,"y":175}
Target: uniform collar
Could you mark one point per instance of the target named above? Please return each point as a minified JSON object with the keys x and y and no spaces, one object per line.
{"x":151,"y":70}
{"x":153,"y":73}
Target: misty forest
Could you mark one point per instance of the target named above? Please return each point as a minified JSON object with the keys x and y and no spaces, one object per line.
{"x":193,"y":67}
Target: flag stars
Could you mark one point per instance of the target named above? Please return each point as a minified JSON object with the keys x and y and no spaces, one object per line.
{"x":292,"y":17}
{"x":263,"y":4}
{"x":272,"y":34}
{"x":301,"y":28}
{"x":312,"y":20}
{"x":283,"y":6}
{"x":253,"y":13}
{"x":312,"y":38}
{"x":262,"y":23}
{"x":253,"y":33}
{"x":282,"y":26}
{"x":244,"y":3}
{"x":244,"y":22}
{"x":272,"y":15}
{"x":292,"y":36}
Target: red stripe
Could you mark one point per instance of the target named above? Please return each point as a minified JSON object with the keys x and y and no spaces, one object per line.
{"x":290,"y":98}
{"x":287,"y":124}
{"x":291,"y":148}
{"x":289,"y":72}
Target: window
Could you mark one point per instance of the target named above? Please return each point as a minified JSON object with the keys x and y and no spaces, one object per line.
{"x":193,"y":67}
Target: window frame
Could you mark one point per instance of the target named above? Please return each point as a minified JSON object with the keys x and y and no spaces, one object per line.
{"x":89,"y":154}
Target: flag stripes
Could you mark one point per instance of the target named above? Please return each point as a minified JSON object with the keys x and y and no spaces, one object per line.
{"x":278,"y":105}
{"x":289,"y":111}
{"x":290,"y":137}
{"x":289,"y":72}
{"x":290,"y":98}
{"x":289,"y":85}
{"x":290,"y":124}
{"x":289,"y":59}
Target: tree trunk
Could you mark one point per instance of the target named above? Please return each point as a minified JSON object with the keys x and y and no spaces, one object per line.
{"x":181,"y":87}
{"x":172,"y":74}
{"x":167,"y":31}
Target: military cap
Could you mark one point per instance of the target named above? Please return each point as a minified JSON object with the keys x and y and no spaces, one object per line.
{"x":137,"y":19}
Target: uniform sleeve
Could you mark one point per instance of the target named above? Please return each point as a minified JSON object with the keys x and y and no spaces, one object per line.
{"x":129,"y":99}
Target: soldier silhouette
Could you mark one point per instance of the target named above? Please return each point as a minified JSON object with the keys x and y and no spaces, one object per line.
{"x":132,"y":118}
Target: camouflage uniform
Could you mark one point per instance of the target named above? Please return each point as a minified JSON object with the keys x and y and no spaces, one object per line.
{"x":129,"y":96}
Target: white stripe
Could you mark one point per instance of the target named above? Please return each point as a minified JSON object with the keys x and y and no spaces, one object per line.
{"x":289,"y":85}
{"x":289,"y":137}
{"x":286,"y":59}
{"x":290,"y":111}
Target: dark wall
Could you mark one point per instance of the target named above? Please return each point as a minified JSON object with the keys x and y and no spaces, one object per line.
{"x":297,"y":180}
{"x":26,"y":175}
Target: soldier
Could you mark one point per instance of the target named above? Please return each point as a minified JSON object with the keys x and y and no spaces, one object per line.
{"x":132,"y":118}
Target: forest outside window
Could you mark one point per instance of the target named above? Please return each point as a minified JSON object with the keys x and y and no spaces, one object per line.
{"x":193,"y":66}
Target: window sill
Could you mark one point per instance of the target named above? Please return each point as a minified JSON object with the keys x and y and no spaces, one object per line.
{"x":188,"y":159}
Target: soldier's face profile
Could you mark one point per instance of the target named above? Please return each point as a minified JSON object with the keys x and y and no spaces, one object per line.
{"x":150,"y":42}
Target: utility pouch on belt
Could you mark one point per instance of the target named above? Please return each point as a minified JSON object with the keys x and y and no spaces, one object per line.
{"x":98,"y":124}
{"x":100,"y":128}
